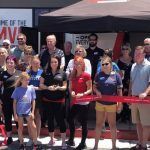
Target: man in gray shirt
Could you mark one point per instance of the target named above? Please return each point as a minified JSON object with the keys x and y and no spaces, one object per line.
{"x":140,"y":87}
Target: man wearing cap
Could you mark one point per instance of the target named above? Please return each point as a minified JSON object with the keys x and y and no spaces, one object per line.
{"x":7,"y":45}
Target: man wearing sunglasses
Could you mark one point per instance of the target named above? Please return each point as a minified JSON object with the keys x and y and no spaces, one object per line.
{"x":19,"y":49}
{"x":147,"y":48}
{"x":93,"y":52}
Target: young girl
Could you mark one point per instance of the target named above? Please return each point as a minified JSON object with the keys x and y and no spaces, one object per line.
{"x":35,"y":74}
{"x":24,"y":106}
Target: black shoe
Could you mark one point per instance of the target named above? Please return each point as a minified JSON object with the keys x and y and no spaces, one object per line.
{"x":9,"y":140}
{"x":21,"y":147}
{"x":81,"y":146}
{"x":70,"y":143}
{"x":136,"y":147}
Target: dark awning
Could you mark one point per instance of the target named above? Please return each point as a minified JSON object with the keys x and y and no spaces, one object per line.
{"x":87,"y":16}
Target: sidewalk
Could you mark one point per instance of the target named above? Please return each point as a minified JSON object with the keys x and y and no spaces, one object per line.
{"x":104,"y":144}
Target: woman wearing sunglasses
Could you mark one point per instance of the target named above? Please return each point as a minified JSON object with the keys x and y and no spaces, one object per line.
{"x":107,"y":82}
{"x":25,"y":61}
{"x":79,"y":51}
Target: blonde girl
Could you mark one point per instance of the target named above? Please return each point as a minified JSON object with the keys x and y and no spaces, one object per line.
{"x":24,"y":106}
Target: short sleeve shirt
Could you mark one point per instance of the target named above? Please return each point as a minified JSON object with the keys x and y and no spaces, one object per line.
{"x":24,"y":97}
{"x":108,"y":85}
{"x":79,"y":83}
{"x":57,"y":79}
{"x":140,"y":77}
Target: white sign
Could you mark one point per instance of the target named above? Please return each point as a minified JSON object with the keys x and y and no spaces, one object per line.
{"x":105,"y":40}
{"x":11,"y":20}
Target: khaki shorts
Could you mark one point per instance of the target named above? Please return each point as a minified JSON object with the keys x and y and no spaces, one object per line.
{"x":140,"y":113}
{"x":106,"y":108}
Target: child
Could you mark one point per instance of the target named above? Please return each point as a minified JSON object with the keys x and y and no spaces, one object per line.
{"x":24,"y":106}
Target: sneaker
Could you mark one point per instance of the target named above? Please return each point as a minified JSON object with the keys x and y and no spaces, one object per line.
{"x":70,"y":142}
{"x":81,"y":146}
{"x":136,"y":147}
{"x":29,"y":143}
{"x":9,"y":140}
{"x":21,"y":147}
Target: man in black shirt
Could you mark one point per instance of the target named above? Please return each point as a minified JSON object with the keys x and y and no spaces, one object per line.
{"x":93,"y":52}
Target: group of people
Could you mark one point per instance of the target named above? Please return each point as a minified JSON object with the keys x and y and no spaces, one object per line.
{"x":33,"y":85}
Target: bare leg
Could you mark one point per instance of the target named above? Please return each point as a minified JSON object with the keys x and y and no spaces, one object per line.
{"x":63,"y":137}
{"x":112,"y":123}
{"x":139,"y":132}
{"x":20,"y":129}
{"x":146,"y":134}
{"x":32,"y":126}
{"x":100,"y":118}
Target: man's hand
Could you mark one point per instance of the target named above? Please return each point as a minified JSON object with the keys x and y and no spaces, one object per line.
{"x":142,"y":95}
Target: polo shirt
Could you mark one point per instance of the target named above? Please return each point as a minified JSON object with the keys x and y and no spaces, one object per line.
{"x":140,"y":77}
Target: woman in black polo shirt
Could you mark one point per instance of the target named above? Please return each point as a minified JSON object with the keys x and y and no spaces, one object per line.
{"x":53,"y":81}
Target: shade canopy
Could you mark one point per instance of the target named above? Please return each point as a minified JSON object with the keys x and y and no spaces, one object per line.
{"x":89,"y":16}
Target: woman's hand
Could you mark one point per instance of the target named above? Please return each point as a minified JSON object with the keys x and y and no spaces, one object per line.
{"x":73,"y":94}
{"x":52,"y":88}
{"x":32,"y":116}
{"x":79,"y":95}
{"x":99,"y":94}
{"x":16,"y":117}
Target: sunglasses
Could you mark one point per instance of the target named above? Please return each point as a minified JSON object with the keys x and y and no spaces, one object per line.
{"x":145,"y":44}
{"x":78,"y":51}
{"x":106,"y":64}
{"x":28,"y":53}
{"x":125,"y":49}
{"x":5,"y":44}
{"x":20,"y":39}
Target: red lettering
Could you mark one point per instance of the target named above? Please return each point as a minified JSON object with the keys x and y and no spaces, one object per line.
{"x":12,"y":34}
{"x":3,"y":33}
{"x":9,"y":33}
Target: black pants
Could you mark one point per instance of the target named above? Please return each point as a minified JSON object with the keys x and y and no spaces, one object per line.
{"x":57,"y":111}
{"x":82,"y":112}
{"x":8,"y":113}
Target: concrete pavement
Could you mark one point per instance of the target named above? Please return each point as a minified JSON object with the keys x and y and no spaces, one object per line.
{"x":104,"y":144}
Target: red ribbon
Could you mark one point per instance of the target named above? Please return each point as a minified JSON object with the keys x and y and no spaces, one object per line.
{"x":124,"y":99}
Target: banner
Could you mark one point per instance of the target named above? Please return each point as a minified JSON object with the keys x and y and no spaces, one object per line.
{"x":11,"y":20}
{"x":107,"y":98}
